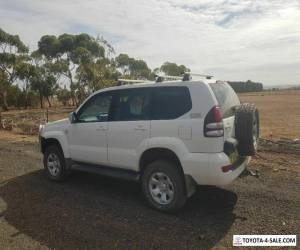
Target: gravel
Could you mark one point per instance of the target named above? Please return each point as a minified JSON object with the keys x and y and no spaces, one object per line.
{"x":94,"y":212}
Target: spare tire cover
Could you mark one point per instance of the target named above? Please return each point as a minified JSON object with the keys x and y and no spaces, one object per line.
{"x":247,"y":129}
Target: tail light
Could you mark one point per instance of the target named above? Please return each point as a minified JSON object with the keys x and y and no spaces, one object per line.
{"x":213,"y":124}
{"x":227,"y":168}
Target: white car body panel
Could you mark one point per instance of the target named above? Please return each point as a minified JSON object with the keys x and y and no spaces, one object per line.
{"x":88,"y":142}
{"x":125,"y":138}
{"x":58,"y":130}
{"x":121,"y":143}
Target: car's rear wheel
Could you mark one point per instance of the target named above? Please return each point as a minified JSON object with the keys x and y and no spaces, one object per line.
{"x":54,"y":163}
{"x":163,"y":186}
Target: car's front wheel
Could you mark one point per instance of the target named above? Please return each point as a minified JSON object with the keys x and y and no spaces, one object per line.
{"x":54,"y":163}
{"x":163,"y":186}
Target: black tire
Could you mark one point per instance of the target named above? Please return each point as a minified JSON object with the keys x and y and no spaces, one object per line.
{"x":61,"y":173}
{"x":172,"y":172}
{"x":247,"y":129}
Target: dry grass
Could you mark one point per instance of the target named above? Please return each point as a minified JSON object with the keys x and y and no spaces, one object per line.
{"x":279,"y":113}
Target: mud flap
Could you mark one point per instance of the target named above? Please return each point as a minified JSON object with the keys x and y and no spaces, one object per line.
{"x":190,"y":185}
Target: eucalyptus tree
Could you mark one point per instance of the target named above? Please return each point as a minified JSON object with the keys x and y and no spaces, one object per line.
{"x":45,"y":75}
{"x":4,"y":84}
{"x":12,"y":52}
{"x":173,"y":69}
{"x":132,"y":68}
{"x":97,"y":74}
{"x":72,"y":51}
{"x":25,"y":72}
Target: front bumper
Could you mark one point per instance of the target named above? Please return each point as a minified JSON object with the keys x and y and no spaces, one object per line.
{"x":41,"y":127}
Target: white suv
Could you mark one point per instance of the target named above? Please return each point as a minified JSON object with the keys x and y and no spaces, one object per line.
{"x":169,"y":136}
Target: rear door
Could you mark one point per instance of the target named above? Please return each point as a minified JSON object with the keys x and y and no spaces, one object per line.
{"x":129,"y":127}
{"x":170,"y":117}
{"x":227,"y":100}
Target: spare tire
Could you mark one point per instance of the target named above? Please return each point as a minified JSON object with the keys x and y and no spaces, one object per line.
{"x":247,"y":129}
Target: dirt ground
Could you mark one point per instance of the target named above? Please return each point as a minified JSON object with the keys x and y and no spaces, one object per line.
{"x":279,"y":113}
{"x":94,"y":212}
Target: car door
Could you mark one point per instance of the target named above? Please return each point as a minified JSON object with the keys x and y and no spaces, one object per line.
{"x":129,"y":127}
{"x":88,"y":134}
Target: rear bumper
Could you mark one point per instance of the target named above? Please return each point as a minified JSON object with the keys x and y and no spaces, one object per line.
{"x":206,"y":169}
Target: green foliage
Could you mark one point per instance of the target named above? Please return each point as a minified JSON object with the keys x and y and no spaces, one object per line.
{"x":12,"y":42}
{"x":82,"y":60}
{"x":64,"y":95}
{"x":70,"y":55}
{"x":19,"y":98}
{"x":49,"y":46}
{"x":3,"y":80}
{"x":97,"y":75}
{"x":248,"y":86}
{"x":13,"y":52}
{"x":132,"y":68}
{"x":173,"y":69}
{"x":44,"y":82}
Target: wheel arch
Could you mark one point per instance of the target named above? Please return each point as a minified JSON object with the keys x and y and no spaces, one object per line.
{"x":47,"y":141}
{"x":155,"y":153}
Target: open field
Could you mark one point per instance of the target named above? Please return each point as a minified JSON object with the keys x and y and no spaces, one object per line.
{"x":279,"y":114}
{"x":94,"y":212}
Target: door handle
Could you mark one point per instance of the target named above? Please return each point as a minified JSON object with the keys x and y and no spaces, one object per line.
{"x":140,"y":127}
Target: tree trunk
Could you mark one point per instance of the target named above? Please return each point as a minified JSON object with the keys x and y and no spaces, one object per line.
{"x":49,"y":103}
{"x":26,"y":100}
{"x":0,"y":120}
{"x":4,"y":105}
{"x":41,"y":101}
{"x":26,"y":89}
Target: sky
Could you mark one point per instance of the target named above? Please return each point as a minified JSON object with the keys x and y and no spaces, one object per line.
{"x":230,"y":39}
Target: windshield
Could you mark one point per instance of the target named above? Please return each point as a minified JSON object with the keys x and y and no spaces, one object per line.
{"x":226,"y":97}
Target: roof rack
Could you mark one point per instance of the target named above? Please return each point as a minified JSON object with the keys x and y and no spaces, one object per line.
{"x":161,"y":78}
{"x":130,"y":81}
{"x":202,"y":75}
{"x":186,"y":76}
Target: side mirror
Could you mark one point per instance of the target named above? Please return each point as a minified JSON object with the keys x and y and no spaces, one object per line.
{"x":72,"y":117}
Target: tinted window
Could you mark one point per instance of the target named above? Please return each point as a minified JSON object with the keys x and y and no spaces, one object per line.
{"x":226,"y":97}
{"x":170,"y":102}
{"x":96,"y":109}
{"x":131,"y":105}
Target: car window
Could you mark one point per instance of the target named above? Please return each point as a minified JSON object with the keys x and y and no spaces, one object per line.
{"x":170,"y":102}
{"x":96,"y":109}
{"x":226,"y":98}
{"x":131,"y":105}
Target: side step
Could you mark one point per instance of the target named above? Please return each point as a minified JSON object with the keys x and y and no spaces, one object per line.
{"x":106,"y":171}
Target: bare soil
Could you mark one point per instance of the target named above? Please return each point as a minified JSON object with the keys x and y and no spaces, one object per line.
{"x":279,"y":113}
{"x":94,"y":212}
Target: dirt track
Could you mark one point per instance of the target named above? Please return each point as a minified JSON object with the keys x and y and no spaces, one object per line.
{"x":95,"y":212}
